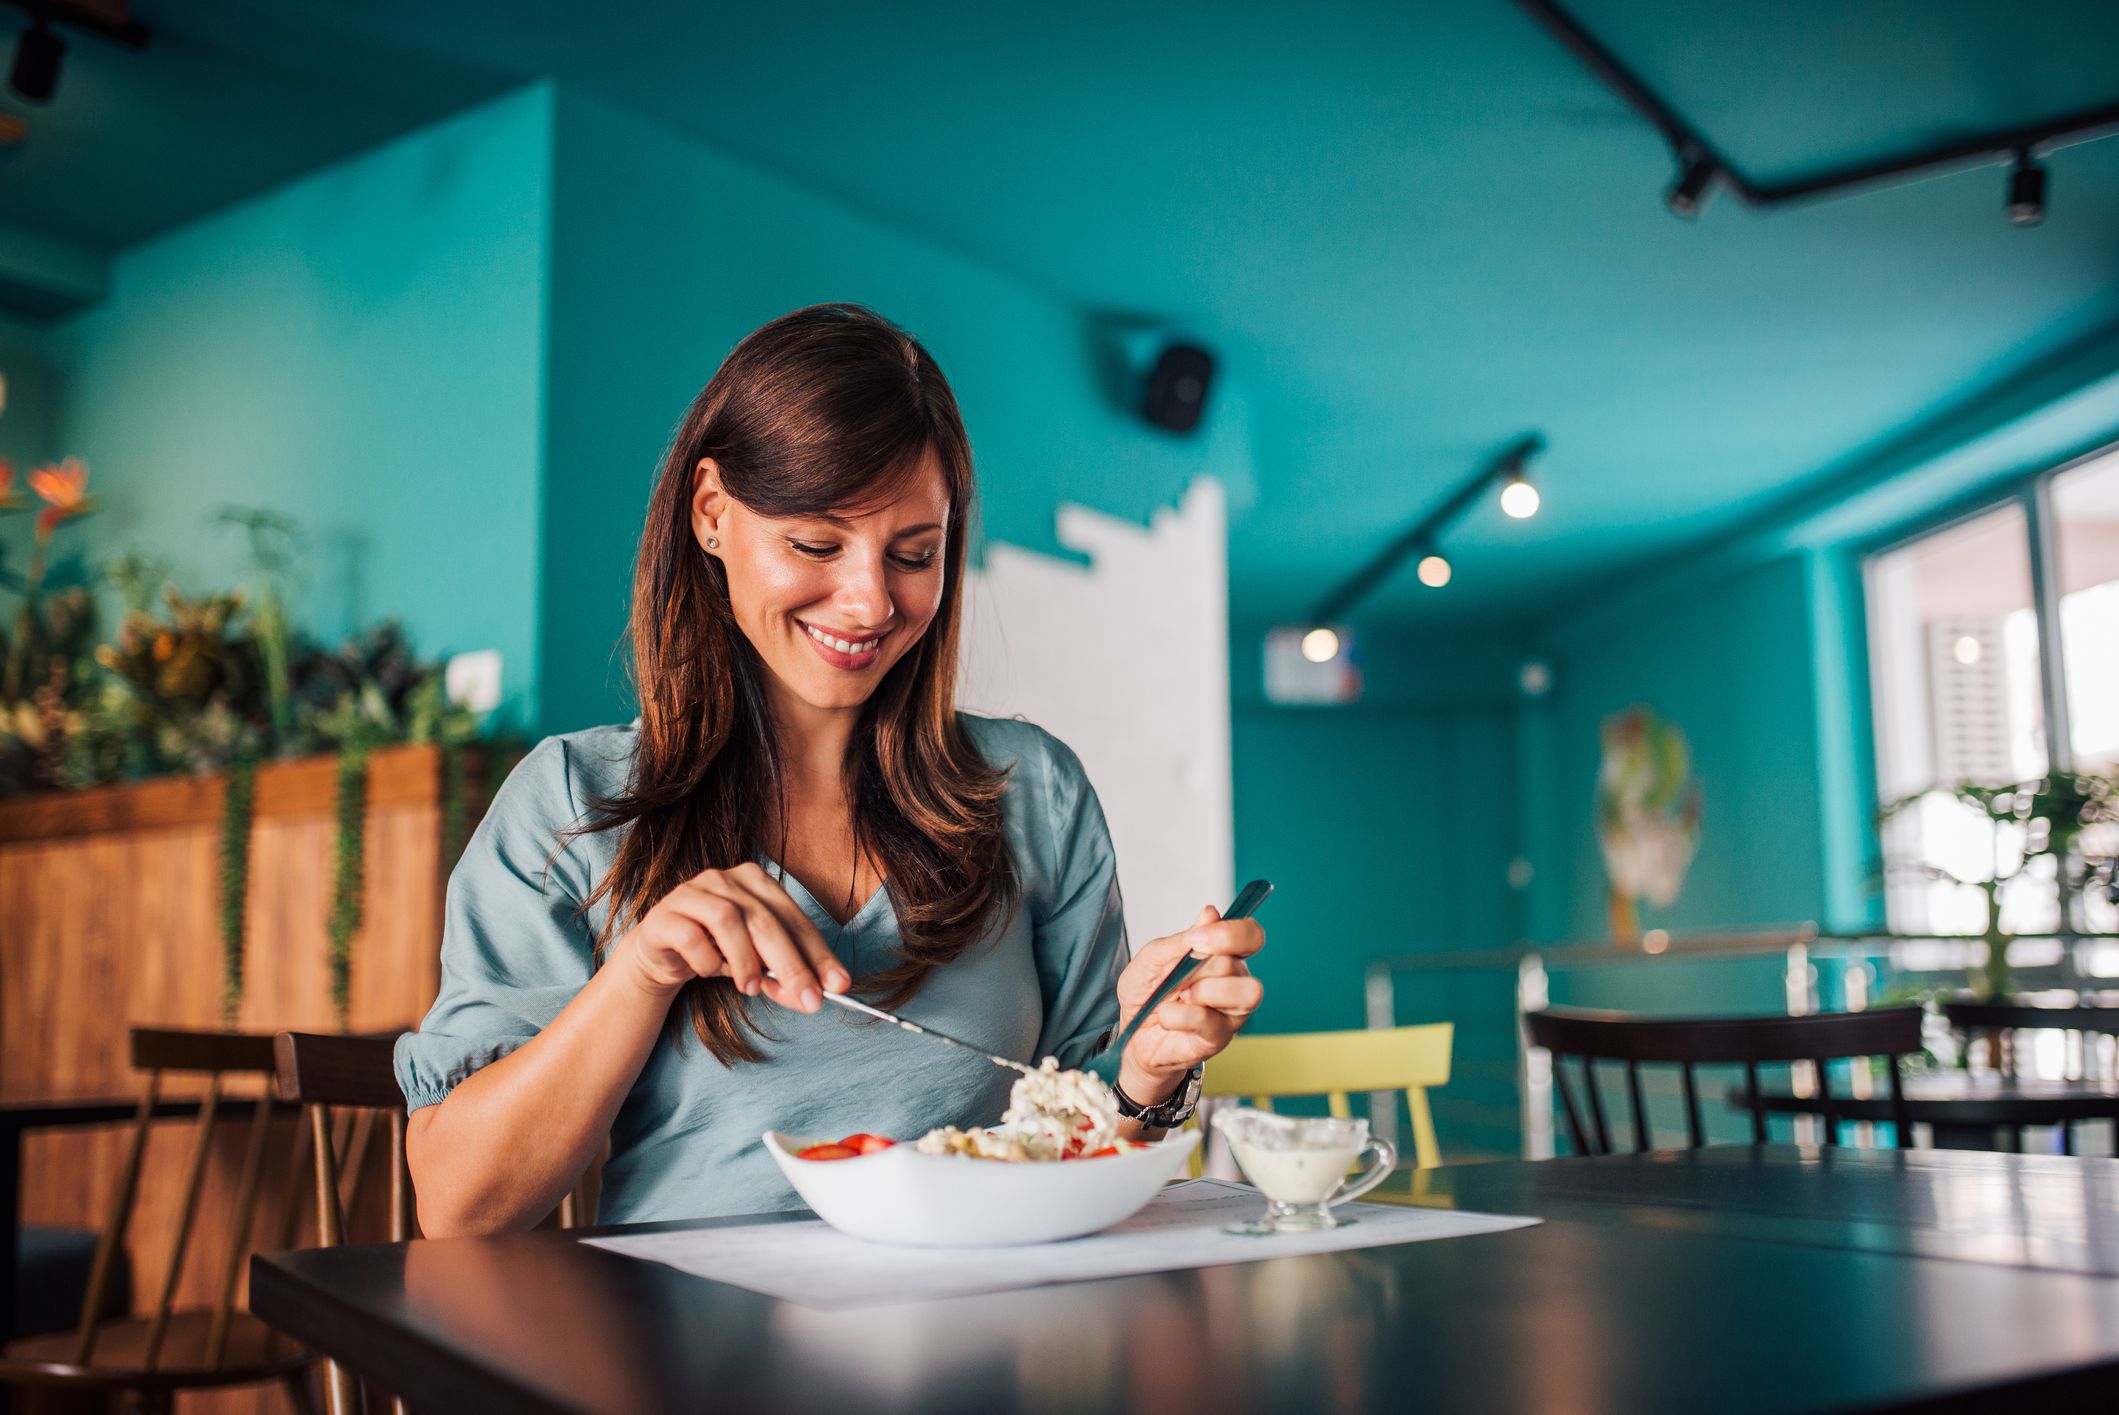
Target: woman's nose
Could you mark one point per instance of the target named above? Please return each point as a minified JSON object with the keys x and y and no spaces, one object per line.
{"x":864,"y":594}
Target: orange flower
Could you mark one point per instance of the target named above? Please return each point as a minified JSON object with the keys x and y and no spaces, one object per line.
{"x":63,"y":486}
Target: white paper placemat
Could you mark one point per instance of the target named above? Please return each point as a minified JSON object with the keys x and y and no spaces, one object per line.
{"x":813,"y":1263}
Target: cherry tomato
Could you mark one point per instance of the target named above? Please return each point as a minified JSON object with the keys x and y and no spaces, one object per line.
{"x":866,"y":1143}
{"x":828,"y":1152}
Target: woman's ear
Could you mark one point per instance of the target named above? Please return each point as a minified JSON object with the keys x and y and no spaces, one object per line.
{"x":709,"y":506}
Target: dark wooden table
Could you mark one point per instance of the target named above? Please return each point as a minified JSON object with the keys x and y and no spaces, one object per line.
{"x":1730,"y":1280}
{"x":1964,"y":1111}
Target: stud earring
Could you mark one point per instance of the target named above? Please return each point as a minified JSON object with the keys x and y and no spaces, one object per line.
{"x":712,"y":544}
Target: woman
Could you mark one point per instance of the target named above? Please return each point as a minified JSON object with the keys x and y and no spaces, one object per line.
{"x":638,"y":937}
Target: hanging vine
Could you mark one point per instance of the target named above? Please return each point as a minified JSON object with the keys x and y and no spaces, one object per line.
{"x":237,"y":813}
{"x":347,"y":874}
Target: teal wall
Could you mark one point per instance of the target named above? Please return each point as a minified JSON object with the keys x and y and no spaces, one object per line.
{"x":361,"y":349}
{"x":1732,"y":666}
{"x":665,"y":254}
{"x":1387,"y":828}
{"x":28,"y":427}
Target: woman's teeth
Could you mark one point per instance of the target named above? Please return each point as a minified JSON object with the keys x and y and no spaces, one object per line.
{"x":842,"y":645}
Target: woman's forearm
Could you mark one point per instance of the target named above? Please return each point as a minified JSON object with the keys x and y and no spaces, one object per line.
{"x":512,"y":1138}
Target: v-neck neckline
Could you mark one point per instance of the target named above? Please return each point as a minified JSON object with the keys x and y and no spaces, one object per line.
{"x":814,"y":906}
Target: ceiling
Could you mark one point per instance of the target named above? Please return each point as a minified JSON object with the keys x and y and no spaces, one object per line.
{"x":1412,"y":231}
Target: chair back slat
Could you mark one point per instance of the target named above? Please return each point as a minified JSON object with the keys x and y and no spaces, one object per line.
{"x":1640,"y":1110}
{"x":116,"y":1223}
{"x":187,"y":1218}
{"x":1826,"y":1109}
{"x":1815,"y":1041}
{"x":1575,"y":1132}
{"x":1695,"y":1131}
{"x":1596,"y":1104}
{"x":330,"y":1220}
{"x":400,"y":1181}
{"x":245,"y":1215}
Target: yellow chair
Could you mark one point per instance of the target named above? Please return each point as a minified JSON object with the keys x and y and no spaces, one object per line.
{"x":1335,"y":1064}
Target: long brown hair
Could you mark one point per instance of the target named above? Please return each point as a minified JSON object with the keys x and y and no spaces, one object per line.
{"x":826,"y":409}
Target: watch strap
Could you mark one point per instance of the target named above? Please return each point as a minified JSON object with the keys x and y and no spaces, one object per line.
{"x":1167,"y":1114}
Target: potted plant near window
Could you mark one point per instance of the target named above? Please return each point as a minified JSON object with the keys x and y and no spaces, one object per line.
{"x":2071,"y":818}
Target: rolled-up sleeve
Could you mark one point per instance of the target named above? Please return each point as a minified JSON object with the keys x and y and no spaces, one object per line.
{"x":515,"y":947}
{"x":1079,"y":927}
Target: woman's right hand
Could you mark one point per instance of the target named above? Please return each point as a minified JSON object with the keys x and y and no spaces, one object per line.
{"x":738,"y":924}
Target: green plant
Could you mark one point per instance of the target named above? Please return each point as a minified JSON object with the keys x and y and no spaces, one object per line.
{"x":349,"y":870}
{"x":275,"y":547}
{"x":2049,"y":817}
{"x":43,"y":678}
{"x":237,"y":815}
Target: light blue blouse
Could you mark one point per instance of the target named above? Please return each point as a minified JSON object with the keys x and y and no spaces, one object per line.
{"x":686,"y":1140}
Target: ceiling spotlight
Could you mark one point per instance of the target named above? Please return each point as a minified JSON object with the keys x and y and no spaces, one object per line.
{"x":1320,"y":645}
{"x":1694,"y":184}
{"x":1433,"y":571}
{"x":37,"y":56}
{"x":2026,"y":191}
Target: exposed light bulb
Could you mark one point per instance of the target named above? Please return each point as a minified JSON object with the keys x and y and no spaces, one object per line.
{"x":1966,"y":650}
{"x":1320,"y":645}
{"x":1434,"y":571}
{"x":1519,"y":498}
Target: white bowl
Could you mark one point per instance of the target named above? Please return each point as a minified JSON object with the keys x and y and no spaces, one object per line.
{"x":899,"y":1195}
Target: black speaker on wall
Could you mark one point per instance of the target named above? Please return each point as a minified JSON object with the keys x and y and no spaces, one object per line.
{"x":1177,"y":387}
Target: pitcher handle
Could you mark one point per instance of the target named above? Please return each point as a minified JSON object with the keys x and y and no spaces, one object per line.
{"x":1386,"y":1160}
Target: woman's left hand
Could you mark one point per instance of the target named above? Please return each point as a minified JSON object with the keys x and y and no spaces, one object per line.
{"x":1197,"y":1020}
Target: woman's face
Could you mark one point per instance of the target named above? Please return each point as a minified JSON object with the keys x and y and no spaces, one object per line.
{"x":830,"y":602}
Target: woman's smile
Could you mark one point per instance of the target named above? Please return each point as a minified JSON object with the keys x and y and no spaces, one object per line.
{"x":849,"y":649}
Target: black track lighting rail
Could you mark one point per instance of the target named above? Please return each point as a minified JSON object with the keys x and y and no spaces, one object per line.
{"x":1424,"y":534}
{"x":1702,"y":165}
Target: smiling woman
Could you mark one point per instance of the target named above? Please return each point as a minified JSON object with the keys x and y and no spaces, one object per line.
{"x":800,"y":807}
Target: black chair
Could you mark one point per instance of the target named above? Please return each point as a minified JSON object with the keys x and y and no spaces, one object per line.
{"x":2009,"y":1114}
{"x":2001,"y":1021}
{"x":1691,"y":1042}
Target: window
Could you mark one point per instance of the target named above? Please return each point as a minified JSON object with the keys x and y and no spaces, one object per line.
{"x":1968,"y":690}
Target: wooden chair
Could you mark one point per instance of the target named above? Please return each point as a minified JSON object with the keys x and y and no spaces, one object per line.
{"x":343,"y":1083}
{"x":1690,"y":1042}
{"x":1337,"y":1064}
{"x":149,"y":1358}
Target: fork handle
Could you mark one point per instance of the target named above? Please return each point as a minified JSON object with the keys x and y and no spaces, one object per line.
{"x":1242,"y":907}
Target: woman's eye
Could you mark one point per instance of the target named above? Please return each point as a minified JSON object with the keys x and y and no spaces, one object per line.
{"x":914,"y":562}
{"x":815,"y":552}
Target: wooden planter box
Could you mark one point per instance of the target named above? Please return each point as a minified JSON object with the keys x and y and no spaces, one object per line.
{"x":110,"y":913}
{"x":110,"y":916}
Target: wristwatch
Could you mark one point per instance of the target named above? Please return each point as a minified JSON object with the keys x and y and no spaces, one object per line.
{"x":1171,"y":1113}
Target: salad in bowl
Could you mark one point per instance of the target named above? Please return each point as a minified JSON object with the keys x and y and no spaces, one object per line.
{"x":1053,"y":1168}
